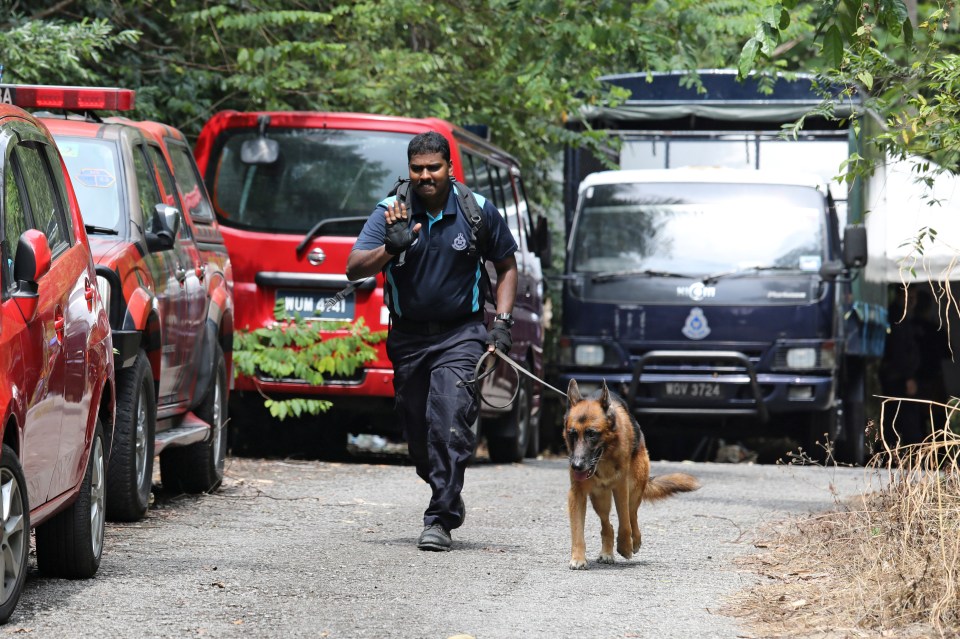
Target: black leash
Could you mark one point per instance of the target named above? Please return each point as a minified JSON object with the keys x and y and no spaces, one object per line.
{"x":478,"y":377}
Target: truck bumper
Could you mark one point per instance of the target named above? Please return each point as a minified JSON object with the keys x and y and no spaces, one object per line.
{"x":759,"y":396}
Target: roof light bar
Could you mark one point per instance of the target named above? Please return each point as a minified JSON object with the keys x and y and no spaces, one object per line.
{"x":36,"y":96}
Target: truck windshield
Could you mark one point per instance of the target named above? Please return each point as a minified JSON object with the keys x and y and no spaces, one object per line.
{"x":318,"y":174}
{"x":699,"y":229}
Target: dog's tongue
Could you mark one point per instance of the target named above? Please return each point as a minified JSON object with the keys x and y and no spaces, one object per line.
{"x":581,"y":475}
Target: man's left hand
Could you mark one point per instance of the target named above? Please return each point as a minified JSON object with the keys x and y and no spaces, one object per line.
{"x":499,"y":337}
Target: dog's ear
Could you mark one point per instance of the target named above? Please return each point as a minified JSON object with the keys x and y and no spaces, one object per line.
{"x":608,"y":407}
{"x":573,"y":392}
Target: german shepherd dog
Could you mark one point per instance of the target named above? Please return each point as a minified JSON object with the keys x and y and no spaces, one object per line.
{"x":609,"y":459}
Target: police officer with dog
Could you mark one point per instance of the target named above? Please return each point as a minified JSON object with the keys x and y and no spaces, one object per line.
{"x":431,"y":240}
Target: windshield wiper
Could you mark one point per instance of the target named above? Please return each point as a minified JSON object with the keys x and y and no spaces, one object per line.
{"x":647,"y":272}
{"x":100,"y":230}
{"x":312,"y":233}
{"x":713,"y":277}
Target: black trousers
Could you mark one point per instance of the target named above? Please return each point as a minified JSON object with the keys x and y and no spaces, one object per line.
{"x":435,"y":413}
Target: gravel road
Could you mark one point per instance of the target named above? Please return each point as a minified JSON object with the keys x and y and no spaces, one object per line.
{"x":319,"y":549}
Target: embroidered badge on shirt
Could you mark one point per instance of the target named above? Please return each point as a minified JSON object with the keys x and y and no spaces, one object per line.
{"x":460,"y":242}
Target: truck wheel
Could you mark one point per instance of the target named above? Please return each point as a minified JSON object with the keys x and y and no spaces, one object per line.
{"x":70,"y":545}
{"x":130,"y":468}
{"x":15,"y":533}
{"x":198,"y":468}
{"x":852,"y":448}
{"x":819,"y":434}
{"x":511,"y":447}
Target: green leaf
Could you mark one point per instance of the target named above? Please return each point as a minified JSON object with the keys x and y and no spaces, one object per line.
{"x":833,"y":46}
{"x":748,"y":57}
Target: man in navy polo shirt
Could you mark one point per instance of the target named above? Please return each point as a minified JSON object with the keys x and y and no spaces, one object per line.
{"x":435,"y":295}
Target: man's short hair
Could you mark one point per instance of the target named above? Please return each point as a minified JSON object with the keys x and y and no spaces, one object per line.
{"x":429,"y":142}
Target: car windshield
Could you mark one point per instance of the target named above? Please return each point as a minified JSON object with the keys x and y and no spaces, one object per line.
{"x":93,"y":169}
{"x":318,"y":174}
{"x":699,"y":229}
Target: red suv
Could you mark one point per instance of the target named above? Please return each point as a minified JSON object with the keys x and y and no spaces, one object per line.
{"x":57,"y":379}
{"x":291,"y":191}
{"x":170,"y":305}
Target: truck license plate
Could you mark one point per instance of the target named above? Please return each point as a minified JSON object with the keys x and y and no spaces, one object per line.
{"x":692,"y":390}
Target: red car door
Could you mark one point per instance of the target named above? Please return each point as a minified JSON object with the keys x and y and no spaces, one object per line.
{"x":169,"y":278}
{"x":31,"y":192}
{"x":193,"y":293}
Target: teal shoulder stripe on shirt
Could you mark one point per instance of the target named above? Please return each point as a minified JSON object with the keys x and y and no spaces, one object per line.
{"x":479,"y":198}
{"x":385,"y":202}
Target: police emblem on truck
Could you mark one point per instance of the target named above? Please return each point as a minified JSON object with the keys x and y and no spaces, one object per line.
{"x":696,"y":325}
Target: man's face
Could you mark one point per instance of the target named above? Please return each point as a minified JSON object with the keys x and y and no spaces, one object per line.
{"x":430,"y":175}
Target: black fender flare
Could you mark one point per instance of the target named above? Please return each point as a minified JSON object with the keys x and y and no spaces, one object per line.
{"x":211,"y":334}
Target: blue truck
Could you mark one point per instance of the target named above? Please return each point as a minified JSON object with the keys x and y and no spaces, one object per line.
{"x":716,"y":279}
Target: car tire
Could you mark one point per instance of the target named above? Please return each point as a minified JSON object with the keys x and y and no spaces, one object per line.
{"x":15,"y":534}
{"x":130,"y":469}
{"x":71,"y":544}
{"x":511,"y":447}
{"x":198,"y":468}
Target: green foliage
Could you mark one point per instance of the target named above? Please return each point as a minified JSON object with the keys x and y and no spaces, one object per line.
{"x":34,"y":51}
{"x":296,"y":349}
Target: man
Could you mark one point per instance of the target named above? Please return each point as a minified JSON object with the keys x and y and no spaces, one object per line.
{"x":435,"y":295}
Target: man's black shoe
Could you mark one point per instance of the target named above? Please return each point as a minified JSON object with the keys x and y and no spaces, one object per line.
{"x":463,"y":509}
{"x":434,"y":537}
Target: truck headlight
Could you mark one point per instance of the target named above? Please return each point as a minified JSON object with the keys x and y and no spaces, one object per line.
{"x":801,"y":358}
{"x":806,"y":357}
{"x":588,"y":355}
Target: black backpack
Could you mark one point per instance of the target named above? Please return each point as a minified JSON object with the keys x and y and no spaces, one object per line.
{"x":479,"y":233}
{"x":479,"y":241}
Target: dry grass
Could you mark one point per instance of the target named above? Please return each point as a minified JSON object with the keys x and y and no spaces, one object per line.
{"x":885,"y":564}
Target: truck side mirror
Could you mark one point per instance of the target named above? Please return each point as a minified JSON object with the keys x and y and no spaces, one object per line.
{"x":855,"y":246}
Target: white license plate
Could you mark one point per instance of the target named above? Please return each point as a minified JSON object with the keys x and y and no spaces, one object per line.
{"x":311,"y":306}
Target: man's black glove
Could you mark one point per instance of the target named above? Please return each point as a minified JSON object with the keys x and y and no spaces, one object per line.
{"x":499,"y":336}
{"x":399,"y":237}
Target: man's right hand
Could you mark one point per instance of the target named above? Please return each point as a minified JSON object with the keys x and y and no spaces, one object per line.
{"x":399,"y":234}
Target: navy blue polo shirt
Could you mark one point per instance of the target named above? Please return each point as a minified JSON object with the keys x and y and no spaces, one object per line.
{"x":438,"y":280}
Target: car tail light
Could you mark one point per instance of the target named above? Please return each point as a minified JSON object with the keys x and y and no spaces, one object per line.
{"x":34,"y":96}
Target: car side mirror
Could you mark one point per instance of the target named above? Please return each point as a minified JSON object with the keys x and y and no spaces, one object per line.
{"x":168,"y":221}
{"x":32,"y":263}
{"x":259,"y":151}
{"x":542,"y":241}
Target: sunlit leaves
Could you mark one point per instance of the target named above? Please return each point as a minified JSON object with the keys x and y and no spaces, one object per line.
{"x":298,"y":350}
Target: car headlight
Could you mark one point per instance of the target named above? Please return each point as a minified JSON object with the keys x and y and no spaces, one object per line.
{"x":103,"y":287}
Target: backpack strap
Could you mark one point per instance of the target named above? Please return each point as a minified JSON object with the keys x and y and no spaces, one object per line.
{"x":479,"y":232}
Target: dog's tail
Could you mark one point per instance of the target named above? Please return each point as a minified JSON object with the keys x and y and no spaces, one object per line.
{"x":666,"y":485}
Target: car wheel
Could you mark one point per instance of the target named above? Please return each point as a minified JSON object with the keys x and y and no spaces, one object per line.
{"x":15,"y":534}
{"x":130,"y":469}
{"x":70,"y":545}
{"x":198,"y":468}
{"x":507,"y":439}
